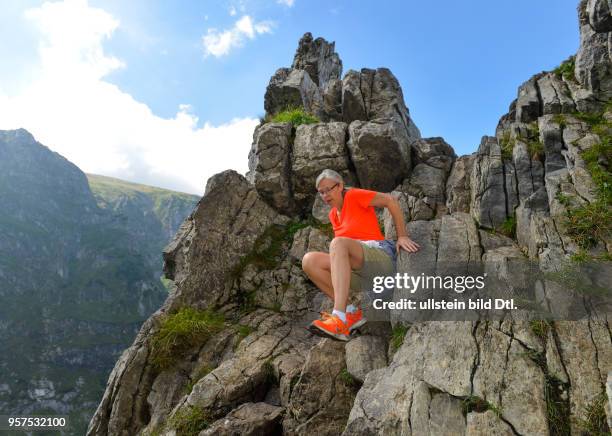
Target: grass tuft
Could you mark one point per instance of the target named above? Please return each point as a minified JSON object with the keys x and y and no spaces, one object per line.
{"x":539,"y":327}
{"x":180,"y":332}
{"x":189,"y":421}
{"x":508,"y":227}
{"x":397,"y":336}
{"x":294,"y":115}
{"x":594,"y":423}
{"x":347,"y":379}
{"x":566,"y":69}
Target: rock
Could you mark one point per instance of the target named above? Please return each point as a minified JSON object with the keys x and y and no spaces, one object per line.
{"x":321,"y":398}
{"x":364,"y":354}
{"x":554,"y":94}
{"x":552,"y":138}
{"x":353,"y":107}
{"x":528,"y":102}
{"x":375,"y":94}
{"x":435,"y":152}
{"x":458,"y":185}
{"x":431,"y":181}
{"x":249,"y":419}
{"x":270,"y":165}
{"x":593,"y":64}
{"x":317,"y":147}
{"x":293,"y":88}
{"x":380,"y":152}
{"x":332,"y":99}
{"x":318,"y":58}
{"x":485,"y":424}
{"x":529,"y":173}
{"x":488,"y":203}
{"x":320,"y":210}
{"x":609,"y":403}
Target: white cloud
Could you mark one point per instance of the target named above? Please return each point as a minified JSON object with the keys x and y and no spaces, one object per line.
{"x":219,"y":43}
{"x":71,"y":108}
{"x":288,"y":3}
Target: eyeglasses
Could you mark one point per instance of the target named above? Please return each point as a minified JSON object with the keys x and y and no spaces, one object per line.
{"x":327,"y":191}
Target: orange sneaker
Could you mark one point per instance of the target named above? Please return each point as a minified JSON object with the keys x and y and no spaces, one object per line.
{"x":354,"y":320}
{"x":331,"y":326}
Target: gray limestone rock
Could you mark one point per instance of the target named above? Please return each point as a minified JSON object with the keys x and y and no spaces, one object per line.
{"x":249,"y":419}
{"x":317,"y":147}
{"x":270,"y":165}
{"x":318,"y":58}
{"x":485,"y":424}
{"x":435,"y":152}
{"x":458,"y":188}
{"x":593,"y":60}
{"x":293,"y":88}
{"x":380,"y":152}
{"x":364,"y":354}
{"x":528,"y":101}
{"x":489,"y":195}
{"x":321,"y":398}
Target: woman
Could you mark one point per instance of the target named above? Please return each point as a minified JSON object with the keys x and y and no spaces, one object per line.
{"x":358,"y":250}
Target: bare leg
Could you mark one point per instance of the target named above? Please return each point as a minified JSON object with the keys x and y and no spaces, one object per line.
{"x":345,"y":254}
{"x":317,"y":266}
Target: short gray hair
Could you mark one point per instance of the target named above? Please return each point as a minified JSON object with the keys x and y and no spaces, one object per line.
{"x":329,"y":174}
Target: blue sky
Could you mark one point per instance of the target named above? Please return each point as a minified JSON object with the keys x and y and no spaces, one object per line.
{"x":134,"y":89}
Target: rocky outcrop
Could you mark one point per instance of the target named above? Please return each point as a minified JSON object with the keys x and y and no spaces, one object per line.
{"x":499,"y":209}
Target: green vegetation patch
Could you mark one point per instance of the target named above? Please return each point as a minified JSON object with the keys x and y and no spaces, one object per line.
{"x":347,"y":379}
{"x":397,"y":336}
{"x":594,"y":423}
{"x":589,"y":222}
{"x":189,"y":421}
{"x":557,"y":408}
{"x":293,"y":115}
{"x":508,"y":227}
{"x":539,"y":327}
{"x":566,"y":69}
{"x":180,"y":332}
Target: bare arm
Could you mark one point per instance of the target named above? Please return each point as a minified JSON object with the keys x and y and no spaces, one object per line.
{"x":392,"y":204}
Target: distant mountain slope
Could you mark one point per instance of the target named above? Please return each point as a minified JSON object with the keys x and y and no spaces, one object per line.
{"x":76,"y":279}
{"x":151,"y":215}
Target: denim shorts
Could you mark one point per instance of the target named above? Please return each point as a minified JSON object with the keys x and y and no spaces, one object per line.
{"x":387,"y":245}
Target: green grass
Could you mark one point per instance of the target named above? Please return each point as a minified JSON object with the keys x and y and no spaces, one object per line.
{"x":508,"y":227}
{"x":539,"y":327}
{"x":397,"y":336}
{"x":347,"y":379}
{"x":180,"y":332}
{"x":189,"y":421}
{"x":590,"y":222}
{"x":560,"y":120}
{"x":557,"y":409}
{"x":507,"y":144}
{"x":566,"y":69}
{"x":267,"y":252}
{"x":594,"y":422}
{"x":293,"y":115}
{"x":474,"y":403}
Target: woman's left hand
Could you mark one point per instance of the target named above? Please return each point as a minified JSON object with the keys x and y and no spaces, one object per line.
{"x":407,"y":244}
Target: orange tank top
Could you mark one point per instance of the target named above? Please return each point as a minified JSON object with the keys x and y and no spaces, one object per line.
{"x":357,"y":218}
